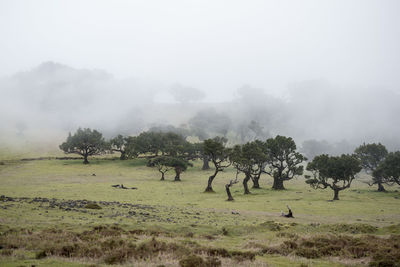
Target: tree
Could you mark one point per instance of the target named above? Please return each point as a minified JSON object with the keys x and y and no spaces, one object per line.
{"x":283,"y":161}
{"x":118,"y":144}
{"x":192,"y":151}
{"x":218,"y":154}
{"x":209,"y":123}
{"x":165,"y":163}
{"x":335,"y":172}
{"x":260,"y":160}
{"x":148,"y":142}
{"x":85,"y":143}
{"x":227,"y":187}
{"x":249,"y":159}
{"x":389,"y":169}
{"x":196,"y":151}
{"x":180,"y":165}
{"x":371,"y":156}
{"x":172,"y":144}
{"x":162,"y":164}
{"x":131,"y":147}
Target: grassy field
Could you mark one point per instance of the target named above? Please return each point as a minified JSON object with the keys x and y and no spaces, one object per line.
{"x":45,"y":219}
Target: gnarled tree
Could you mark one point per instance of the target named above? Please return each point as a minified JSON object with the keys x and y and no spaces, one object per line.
{"x":283,"y":161}
{"x":85,"y":142}
{"x":218,"y":154}
{"x":248,"y":158}
{"x":180,"y":165}
{"x":162,"y":165}
{"x":389,"y":169}
{"x":118,"y":144}
{"x":227,"y":187}
{"x":371,"y":155}
{"x":335,"y":172}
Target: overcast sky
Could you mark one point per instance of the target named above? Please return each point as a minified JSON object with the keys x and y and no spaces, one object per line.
{"x":216,"y":46}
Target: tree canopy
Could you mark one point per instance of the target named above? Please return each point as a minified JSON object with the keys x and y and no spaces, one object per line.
{"x":283,"y":161}
{"x":249,"y":159}
{"x":335,"y":172}
{"x":165,"y":163}
{"x":85,"y":142}
{"x":371,"y":156}
{"x":389,"y":169}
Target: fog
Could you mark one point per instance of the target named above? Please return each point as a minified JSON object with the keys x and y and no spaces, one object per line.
{"x":322,"y":72}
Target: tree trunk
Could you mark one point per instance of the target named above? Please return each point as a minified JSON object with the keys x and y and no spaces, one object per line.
{"x":278,"y":184}
{"x":336,"y":194}
{"x":123,"y":155}
{"x":381,"y":188}
{"x":178,"y":175}
{"x":246,"y":188}
{"x":228,"y":192}
{"x":205,"y":163}
{"x":85,"y":160}
{"x":256,"y":185}
{"x":210,"y":180}
{"x":162,"y":176}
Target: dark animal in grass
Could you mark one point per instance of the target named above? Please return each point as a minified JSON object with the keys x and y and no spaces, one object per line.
{"x":121,"y":186}
{"x":289,"y":214}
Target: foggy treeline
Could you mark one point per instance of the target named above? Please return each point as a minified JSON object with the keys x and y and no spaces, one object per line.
{"x":47,"y":102}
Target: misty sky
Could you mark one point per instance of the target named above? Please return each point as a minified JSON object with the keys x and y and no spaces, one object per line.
{"x":216,"y":46}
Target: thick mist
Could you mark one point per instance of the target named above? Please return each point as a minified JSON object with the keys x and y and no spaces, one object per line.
{"x":322,"y":72}
{"x":52,"y":99}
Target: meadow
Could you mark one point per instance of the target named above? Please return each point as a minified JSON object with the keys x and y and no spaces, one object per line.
{"x":62,"y":213}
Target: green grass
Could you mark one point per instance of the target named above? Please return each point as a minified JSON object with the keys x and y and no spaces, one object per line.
{"x":182,"y":207}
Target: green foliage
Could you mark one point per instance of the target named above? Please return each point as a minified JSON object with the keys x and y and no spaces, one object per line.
{"x":131,"y":150}
{"x":148,"y":142}
{"x":335,"y":172}
{"x":249,"y":159}
{"x":120,"y":144}
{"x":283,"y":161}
{"x":215,"y":148}
{"x":166,"y":143}
{"x":389,"y":169}
{"x":165,"y":163}
{"x":85,"y":142}
{"x":172,"y":144}
{"x":371,"y":156}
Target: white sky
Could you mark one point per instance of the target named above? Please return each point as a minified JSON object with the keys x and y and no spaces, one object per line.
{"x":216,"y":46}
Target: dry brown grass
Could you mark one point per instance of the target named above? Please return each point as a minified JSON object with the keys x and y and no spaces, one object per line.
{"x":378,"y":251}
{"x":112,"y":245}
